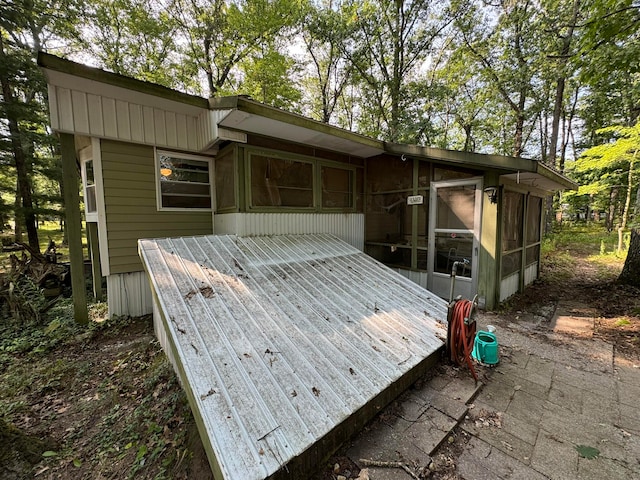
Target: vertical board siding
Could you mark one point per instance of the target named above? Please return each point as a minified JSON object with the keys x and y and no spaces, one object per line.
{"x":129,"y":294}
{"x":131,"y":207}
{"x":80,"y":113}
{"x":346,"y":226}
{"x":76,"y":111}
{"x":96,"y":125}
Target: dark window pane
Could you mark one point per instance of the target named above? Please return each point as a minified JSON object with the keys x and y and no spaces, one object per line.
{"x":456,"y":207}
{"x":511,"y":263}
{"x":281,"y":182}
{"x":225,"y":180}
{"x":337,"y":187}
{"x":533,"y":220}
{"x":451,"y":248}
{"x":390,"y":255}
{"x":184,"y":182}
{"x":388,"y":218}
{"x":389,"y":173}
{"x":533,"y":254}
{"x":512,"y":220}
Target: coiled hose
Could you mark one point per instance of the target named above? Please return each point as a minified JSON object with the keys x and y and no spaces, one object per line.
{"x":462,"y":335}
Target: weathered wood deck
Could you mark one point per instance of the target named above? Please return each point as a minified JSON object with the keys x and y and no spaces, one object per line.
{"x":286,"y":345}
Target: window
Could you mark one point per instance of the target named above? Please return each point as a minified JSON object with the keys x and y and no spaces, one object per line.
{"x":226,"y":181}
{"x":293,"y":183}
{"x":279,"y":182}
{"x":89,"y":187}
{"x":184,"y":181}
{"x":337,"y":187}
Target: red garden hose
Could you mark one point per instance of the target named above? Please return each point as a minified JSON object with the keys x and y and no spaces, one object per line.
{"x":462,"y":334}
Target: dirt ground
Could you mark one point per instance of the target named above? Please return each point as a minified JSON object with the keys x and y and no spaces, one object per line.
{"x":103,"y":402}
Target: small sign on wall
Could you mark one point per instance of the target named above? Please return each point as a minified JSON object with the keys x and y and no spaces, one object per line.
{"x":415,"y":200}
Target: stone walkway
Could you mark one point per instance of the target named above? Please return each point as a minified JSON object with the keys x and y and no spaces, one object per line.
{"x":556,"y":407}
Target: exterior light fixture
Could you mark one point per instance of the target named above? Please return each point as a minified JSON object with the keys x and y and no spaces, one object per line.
{"x":165,"y":172}
{"x":492,"y":194}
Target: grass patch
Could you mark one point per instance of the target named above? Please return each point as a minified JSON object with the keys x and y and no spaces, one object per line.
{"x":622,"y":322}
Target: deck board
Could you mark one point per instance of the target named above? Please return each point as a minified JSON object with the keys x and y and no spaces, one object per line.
{"x":283,"y":343}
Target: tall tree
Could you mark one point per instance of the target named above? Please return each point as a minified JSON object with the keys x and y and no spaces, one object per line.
{"x":220,"y":35}
{"x":27,"y":26}
{"x":615,"y":159}
{"x":506,"y":45}
{"x":138,"y":38}
{"x":324,"y":33}
{"x":390,"y":41}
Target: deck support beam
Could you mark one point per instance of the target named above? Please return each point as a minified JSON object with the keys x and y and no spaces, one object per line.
{"x":73,"y":224}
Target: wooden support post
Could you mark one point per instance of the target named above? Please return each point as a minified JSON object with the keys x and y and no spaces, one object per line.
{"x":490,"y":246}
{"x":94,"y":251}
{"x":73,"y":224}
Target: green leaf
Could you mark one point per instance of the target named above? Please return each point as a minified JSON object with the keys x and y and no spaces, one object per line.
{"x":50,"y":453}
{"x":587,"y":452}
{"x":142,"y":451}
{"x":77,"y":462}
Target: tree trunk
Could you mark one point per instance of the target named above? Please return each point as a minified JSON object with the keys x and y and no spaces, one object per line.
{"x":21,"y":159}
{"x":630,"y":274}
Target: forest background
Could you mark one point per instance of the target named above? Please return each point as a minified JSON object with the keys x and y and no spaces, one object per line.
{"x":553,"y":80}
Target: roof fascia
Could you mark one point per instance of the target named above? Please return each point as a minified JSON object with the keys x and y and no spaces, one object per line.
{"x":58,"y":64}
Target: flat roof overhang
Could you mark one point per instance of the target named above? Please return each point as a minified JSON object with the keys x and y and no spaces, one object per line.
{"x":517,"y":169}
{"x":253,"y":117}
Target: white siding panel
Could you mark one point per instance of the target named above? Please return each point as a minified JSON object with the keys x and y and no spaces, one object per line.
{"x":181,"y":123}
{"x":192,"y":134}
{"x":65,"y":109}
{"x":109,"y":117}
{"x":346,"y":226}
{"x":124,"y":124}
{"x":172,"y":132}
{"x":129,"y":294}
{"x":149,"y":128}
{"x":94,"y":105}
{"x":137,"y":123}
{"x":53,"y":107}
{"x":509,"y":286}
{"x":80,"y":113}
{"x":530,"y":273}
{"x":160,"y":127}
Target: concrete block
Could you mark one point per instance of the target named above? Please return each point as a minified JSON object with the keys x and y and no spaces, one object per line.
{"x":555,"y":458}
{"x":498,"y":463}
{"x":600,"y":409}
{"x":377,"y":473}
{"x":385,"y":444}
{"x":526,"y":407}
{"x":500,"y":439}
{"x":566,"y":396}
{"x":628,"y":393}
{"x":456,"y":409}
{"x":589,"y":381}
{"x":521,"y":429}
{"x":430,"y":431}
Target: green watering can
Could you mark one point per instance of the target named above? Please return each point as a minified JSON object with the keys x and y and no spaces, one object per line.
{"x":485,"y":348}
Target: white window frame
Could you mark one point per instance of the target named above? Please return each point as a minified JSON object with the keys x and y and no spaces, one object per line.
{"x":186,"y":156}
{"x":86,"y":155}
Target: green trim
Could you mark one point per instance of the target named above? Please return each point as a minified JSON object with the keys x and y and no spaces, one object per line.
{"x":58,"y":64}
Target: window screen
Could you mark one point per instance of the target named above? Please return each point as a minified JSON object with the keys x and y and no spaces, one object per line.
{"x":277,"y":182}
{"x":337,"y":187}
{"x":184,"y":182}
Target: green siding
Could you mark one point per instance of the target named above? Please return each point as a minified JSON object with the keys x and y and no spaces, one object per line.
{"x":130,"y":205}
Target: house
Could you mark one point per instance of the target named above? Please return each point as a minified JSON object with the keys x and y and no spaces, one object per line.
{"x":257,"y":238}
{"x":159,"y":163}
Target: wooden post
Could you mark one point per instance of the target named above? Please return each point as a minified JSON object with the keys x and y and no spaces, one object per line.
{"x":489,"y":271}
{"x":94,"y":251}
{"x":74,"y":226}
